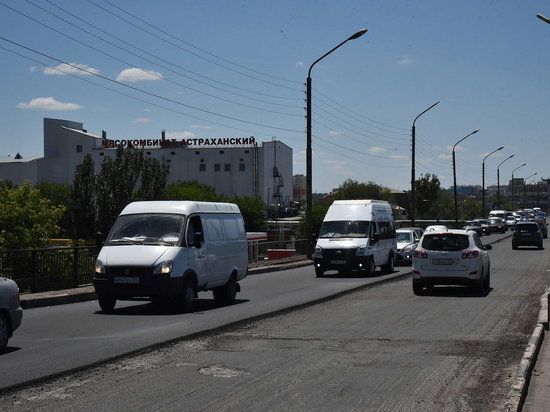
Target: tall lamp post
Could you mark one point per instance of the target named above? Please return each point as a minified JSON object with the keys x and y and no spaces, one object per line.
{"x":483,"y":181}
{"x":512,"y":182}
{"x":413,"y":178}
{"x":309,"y":217}
{"x":454,"y":172}
{"x":498,"y":179}
{"x":525,"y":180}
{"x":543,"y":18}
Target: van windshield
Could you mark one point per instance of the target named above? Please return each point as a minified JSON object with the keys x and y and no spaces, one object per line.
{"x":340,"y":229}
{"x":149,"y":229}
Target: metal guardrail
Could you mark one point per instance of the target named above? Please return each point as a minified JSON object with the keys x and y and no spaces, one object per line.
{"x":56,"y":268}
{"x":40,"y":270}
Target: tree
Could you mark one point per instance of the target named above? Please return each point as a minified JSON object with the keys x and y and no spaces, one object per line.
{"x":83,"y":200}
{"x":59,"y":195}
{"x":154,"y":175}
{"x":351,"y":189}
{"x":115,"y":185}
{"x":27,"y":220}
{"x":253,"y":211}
{"x":192,"y":190}
{"x":428,"y":190}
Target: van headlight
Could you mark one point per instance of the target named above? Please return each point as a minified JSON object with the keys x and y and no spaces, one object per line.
{"x":360,"y":251}
{"x":163,"y":268}
{"x":99,"y":267}
{"x":317,"y":252}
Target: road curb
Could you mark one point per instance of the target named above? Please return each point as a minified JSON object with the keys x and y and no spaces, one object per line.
{"x":87,"y":292}
{"x":518,"y":393}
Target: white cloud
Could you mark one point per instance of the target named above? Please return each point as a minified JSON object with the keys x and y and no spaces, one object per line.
{"x":398,"y":157}
{"x":404,"y":60}
{"x":33,"y":69}
{"x":48,"y":103}
{"x":445,"y":156}
{"x":180,"y":135}
{"x":200,"y":126}
{"x":73,"y":68}
{"x":299,"y":64}
{"x":457,"y":148}
{"x":135,"y":75}
{"x":335,"y":133}
{"x":141,"y":120}
{"x":376,"y":150}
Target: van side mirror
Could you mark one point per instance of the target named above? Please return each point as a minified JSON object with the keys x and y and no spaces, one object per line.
{"x":197,"y":239}
{"x":375,"y":237}
{"x":487,"y":247}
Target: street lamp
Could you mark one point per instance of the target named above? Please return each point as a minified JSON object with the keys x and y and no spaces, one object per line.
{"x":483,"y":180}
{"x":525,"y":180}
{"x":543,"y":18}
{"x":454,"y":172}
{"x":512,"y":182}
{"x":309,"y":217}
{"x":498,"y":179}
{"x":413,"y":183}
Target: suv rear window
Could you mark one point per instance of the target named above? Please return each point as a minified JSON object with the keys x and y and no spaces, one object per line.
{"x":526,"y":227}
{"x":449,"y":242}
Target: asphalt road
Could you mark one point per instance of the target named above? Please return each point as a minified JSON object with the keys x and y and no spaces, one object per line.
{"x":379,"y":348}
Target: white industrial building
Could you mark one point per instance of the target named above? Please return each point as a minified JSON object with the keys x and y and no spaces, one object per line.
{"x":233,"y":166}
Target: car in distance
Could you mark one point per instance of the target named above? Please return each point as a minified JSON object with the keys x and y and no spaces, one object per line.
{"x":407,"y":240}
{"x":451,"y":257}
{"x":497,"y":224}
{"x":432,"y":228}
{"x":417,"y":230}
{"x":484,"y":226}
{"x":473,"y":225}
{"x":527,"y":233}
{"x":11,"y":313}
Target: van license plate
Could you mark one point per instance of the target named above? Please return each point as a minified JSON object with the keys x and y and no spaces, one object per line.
{"x":338,"y":262}
{"x":126,"y":280}
{"x":442,"y":261}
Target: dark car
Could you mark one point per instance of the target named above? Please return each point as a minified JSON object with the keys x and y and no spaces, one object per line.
{"x":527,"y":234}
{"x":473,"y":225}
{"x":497,"y":224}
{"x":10,"y":310}
{"x":484,"y":226}
{"x":542,"y":224}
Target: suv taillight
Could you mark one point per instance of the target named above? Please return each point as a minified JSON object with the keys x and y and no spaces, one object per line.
{"x":470,"y":254}
{"x":420,"y":254}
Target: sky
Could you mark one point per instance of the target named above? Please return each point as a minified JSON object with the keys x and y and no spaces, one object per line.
{"x":216,"y":69}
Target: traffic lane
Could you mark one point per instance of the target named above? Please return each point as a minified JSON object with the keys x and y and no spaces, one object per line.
{"x":380,"y":348}
{"x":59,"y":338}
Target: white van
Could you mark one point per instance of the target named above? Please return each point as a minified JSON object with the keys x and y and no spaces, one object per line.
{"x":166,"y":250}
{"x":356,"y":235}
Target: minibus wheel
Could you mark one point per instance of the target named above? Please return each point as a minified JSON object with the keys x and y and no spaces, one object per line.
{"x":226,"y":294}
{"x":187,"y":294}
{"x":106,"y":303}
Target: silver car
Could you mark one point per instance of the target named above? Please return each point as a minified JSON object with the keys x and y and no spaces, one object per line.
{"x":451,"y":257}
{"x":11,"y":313}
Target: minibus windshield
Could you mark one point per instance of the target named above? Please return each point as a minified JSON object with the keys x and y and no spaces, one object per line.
{"x":147,"y":229}
{"x":341,"y":229}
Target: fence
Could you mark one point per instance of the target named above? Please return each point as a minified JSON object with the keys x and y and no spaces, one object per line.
{"x":40,"y":270}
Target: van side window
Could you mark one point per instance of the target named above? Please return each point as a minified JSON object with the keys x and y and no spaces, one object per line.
{"x":193,"y":226}
{"x":230,"y":227}
{"x":214,"y":229}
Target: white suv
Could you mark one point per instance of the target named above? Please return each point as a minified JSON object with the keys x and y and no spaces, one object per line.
{"x":451,"y":257}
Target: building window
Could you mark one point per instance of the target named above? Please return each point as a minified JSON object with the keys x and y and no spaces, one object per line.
{"x":242,"y":167}
{"x":216,"y":167}
{"x":101,"y":153}
{"x":222,"y":152}
{"x":247,"y":151}
{"x":202,"y":167}
{"x":197,"y":152}
{"x":149,"y":153}
{"x":79,"y":148}
{"x":227,"y":167}
{"x":172,"y":153}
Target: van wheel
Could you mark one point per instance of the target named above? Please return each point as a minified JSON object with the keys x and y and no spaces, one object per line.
{"x":319,"y":272}
{"x":369,"y":268}
{"x":187,"y":295}
{"x":226,"y":294}
{"x":106,"y":303}
{"x":388,"y":267}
